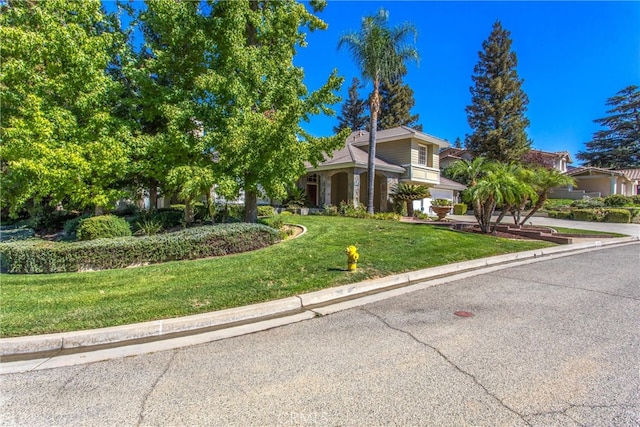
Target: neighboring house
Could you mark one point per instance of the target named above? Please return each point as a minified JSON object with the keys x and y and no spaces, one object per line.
{"x":403,"y":155}
{"x":450,"y":155}
{"x":593,"y":182}
{"x":558,"y":160}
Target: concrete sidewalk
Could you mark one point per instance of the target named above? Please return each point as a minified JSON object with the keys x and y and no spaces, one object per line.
{"x":37,"y":352}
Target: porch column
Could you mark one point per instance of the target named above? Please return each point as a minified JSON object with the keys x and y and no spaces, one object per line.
{"x":385,"y":192}
{"x":613,"y":181}
{"x":326,"y":178}
{"x":353,"y":180}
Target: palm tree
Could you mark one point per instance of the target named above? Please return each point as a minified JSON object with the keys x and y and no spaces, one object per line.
{"x":381,"y":53}
{"x":410,"y":192}
{"x":544,"y":181}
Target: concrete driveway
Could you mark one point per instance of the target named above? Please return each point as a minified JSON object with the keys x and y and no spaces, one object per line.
{"x":552,"y":343}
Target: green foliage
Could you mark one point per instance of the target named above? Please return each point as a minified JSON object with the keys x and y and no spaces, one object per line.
{"x":441,"y":202}
{"x":622,"y":216}
{"x":386,"y":216}
{"x":588,"y":214}
{"x":296,"y":198}
{"x":198,"y":242}
{"x":561,"y":214}
{"x":330,"y":210}
{"x":71,"y":226}
{"x":275,"y":221}
{"x":148,"y":227}
{"x":588,"y":202}
{"x":103,"y":226}
{"x":460,"y":209}
{"x":60,"y":140}
{"x":557,"y":204}
{"x":498,"y":103}
{"x":408,"y":193}
{"x":617,"y":146}
{"x":353,"y":115}
{"x":617,"y":200}
{"x":396,"y":102}
{"x":266,"y":210}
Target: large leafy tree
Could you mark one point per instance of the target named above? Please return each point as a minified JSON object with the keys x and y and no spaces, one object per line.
{"x":381,"y":53}
{"x":60,"y":138}
{"x":498,"y":103}
{"x":396,"y":102}
{"x":254,"y":99}
{"x":353,"y":114}
{"x":618,"y":146}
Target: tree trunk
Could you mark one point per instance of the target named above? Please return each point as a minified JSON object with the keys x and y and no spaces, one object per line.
{"x":153,"y":196}
{"x":99,"y":210}
{"x":250,"y":206}
{"x":371,"y":178}
{"x":536,"y":207}
{"x":188,"y":212}
{"x":410,"y":208}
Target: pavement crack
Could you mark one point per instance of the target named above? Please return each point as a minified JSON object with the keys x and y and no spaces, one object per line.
{"x":450,"y":362}
{"x":62,"y":388}
{"x":143,"y":407}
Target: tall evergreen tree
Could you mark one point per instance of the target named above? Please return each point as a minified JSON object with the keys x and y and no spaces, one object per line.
{"x":618,"y":146}
{"x":457,"y":143}
{"x":498,"y":103}
{"x":353,"y":110}
{"x":396,"y":102}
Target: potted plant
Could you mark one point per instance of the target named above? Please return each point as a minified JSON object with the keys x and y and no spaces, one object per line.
{"x":441,"y":207}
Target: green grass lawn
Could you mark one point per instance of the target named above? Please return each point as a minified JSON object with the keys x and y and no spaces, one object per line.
{"x":564,"y":230}
{"x":38,"y":304}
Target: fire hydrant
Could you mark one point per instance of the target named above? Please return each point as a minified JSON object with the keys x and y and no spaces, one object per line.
{"x":352,"y":257}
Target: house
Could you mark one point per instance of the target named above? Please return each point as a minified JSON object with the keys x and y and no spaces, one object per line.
{"x":558,"y":160}
{"x":403,"y":155}
{"x":593,"y":182}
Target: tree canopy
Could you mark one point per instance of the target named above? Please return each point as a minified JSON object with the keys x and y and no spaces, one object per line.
{"x":617,"y":146}
{"x":353,"y":115}
{"x":396,"y":102}
{"x":498,"y":103}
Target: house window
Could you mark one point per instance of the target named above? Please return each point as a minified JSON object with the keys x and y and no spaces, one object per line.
{"x":422,"y":155}
{"x":312,"y":178}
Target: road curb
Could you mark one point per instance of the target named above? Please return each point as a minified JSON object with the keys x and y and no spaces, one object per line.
{"x":43,"y":346}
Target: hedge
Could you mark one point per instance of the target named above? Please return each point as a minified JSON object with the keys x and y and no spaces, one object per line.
{"x":560,"y":214}
{"x":601,"y":215}
{"x":36,"y":256}
{"x":617,"y":215}
{"x":459,"y":209}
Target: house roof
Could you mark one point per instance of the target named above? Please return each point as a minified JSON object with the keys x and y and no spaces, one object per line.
{"x":452,"y":153}
{"x":351,"y":156}
{"x":591,"y":170}
{"x":546,"y":156}
{"x":448,"y":184}
{"x":361,"y":137}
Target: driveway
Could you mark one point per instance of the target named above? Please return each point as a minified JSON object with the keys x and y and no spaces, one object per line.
{"x":551,"y":343}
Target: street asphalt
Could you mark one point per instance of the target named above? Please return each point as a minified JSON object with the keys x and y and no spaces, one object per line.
{"x":549,"y":343}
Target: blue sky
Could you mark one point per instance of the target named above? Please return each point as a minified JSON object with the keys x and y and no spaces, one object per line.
{"x":571,"y":55}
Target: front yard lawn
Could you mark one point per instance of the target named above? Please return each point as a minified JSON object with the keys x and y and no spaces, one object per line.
{"x":39,"y":304}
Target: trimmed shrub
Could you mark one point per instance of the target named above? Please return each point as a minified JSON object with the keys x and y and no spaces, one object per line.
{"x":617,"y":200}
{"x":266,"y":210}
{"x":561,"y":214}
{"x":387,"y":216}
{"x":636,"y":199}
{"x":71,"y":226}
{"x":460,"y":209}
{"x":37,"y":256}
{"x":103,"y":226}
{"x":594,"y":215}
{"x":622,"y":216}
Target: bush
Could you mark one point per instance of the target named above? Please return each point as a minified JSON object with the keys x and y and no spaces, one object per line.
{"x":460,"y":209}
{"x":168,"y":217}
{"x":622,"y":216}
{"x":617,"y":200}
{"x":103,"y":226}
{"x":71,"y":226}
{"x":561,"y":214}
{"x":386,"y":216}
{"x":37,"y":256}
{"x":330,"y":210}
{"x":594,"y":215}
{"x":266,"y":210}
{"x":275,"y":221}
{"x":636,"y":199}
{"x":441,"y":202}
{"x":588,"y":202}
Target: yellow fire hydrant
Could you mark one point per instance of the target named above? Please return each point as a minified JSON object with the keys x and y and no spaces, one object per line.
{"x":352,"y":257}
